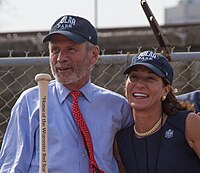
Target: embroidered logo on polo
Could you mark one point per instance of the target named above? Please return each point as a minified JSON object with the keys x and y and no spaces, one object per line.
{"x":169,"y":133}
{"x":66,"y":22}
{"x":147,"y":55}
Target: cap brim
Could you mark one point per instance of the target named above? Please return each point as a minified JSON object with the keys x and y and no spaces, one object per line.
{"x":73,"y":36}
{"x":151,"y":67}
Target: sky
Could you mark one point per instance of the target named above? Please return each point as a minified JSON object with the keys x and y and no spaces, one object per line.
{"x":39,"y":15}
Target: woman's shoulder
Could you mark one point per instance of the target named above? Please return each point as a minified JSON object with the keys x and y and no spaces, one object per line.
{"x":192,"y":129}
{"x":193,"y":121}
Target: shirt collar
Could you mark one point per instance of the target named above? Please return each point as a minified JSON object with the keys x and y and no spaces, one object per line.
{"x":63,"y":92}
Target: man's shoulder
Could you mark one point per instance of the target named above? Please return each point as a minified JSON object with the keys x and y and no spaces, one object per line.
{"x":193,"y":97}
{"x":107,"y":92}
{"x":191,"y":94}
{"x":34,"y":89}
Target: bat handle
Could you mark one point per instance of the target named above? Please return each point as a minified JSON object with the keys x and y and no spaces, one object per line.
{"x":43,"y":79}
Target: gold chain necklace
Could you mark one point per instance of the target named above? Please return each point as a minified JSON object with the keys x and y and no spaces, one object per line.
{"x":150,"y":131}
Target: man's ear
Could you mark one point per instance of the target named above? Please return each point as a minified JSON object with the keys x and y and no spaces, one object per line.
{"x":95,"y":55}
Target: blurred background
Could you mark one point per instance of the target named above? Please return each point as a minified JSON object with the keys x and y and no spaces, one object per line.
{"x":38,"y":15}
{"x":122,"y":25}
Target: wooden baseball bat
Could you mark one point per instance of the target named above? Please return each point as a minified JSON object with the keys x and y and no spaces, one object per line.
{"x":161,"y":38}
{"x":43,"y":80}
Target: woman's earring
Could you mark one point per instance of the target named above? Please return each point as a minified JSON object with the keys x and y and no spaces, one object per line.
{"x":163,"y":98}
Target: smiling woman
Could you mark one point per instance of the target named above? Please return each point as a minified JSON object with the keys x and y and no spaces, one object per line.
{"x":161,"y":124}
{"x":144,"y":88}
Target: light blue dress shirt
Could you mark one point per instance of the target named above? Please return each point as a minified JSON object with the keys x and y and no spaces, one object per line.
{"x":104,"y":111}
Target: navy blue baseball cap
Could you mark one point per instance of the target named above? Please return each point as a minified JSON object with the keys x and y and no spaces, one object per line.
{"x":155,"y":62}
{"x":75,"y":28}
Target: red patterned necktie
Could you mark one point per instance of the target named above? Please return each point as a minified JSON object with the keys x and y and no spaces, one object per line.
{"x":86,"y":137}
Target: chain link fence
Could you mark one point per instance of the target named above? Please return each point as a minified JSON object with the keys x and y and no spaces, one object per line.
{"x":17,"y":74}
